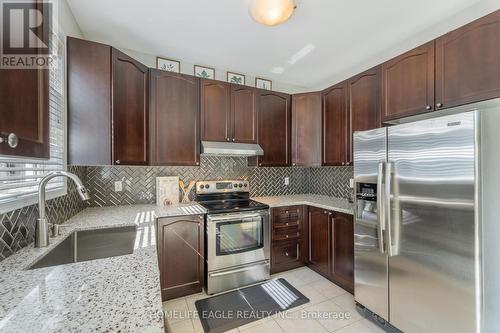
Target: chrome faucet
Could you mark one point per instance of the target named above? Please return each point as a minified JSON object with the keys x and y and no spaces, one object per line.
{"x":42,"y":226}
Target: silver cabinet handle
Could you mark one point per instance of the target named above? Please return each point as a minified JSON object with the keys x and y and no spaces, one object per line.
{"x":117,"y":162}
{"x":227,"y":139}
{"x":11,"y":139}
{"x":286,"y":254}
{"x":439,"y":105}
{"x":428,"y":107}
{"x":380,"y":206}
{"x":234,"y":139}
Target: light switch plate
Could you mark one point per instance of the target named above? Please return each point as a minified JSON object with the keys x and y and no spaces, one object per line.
{"x":287,"y":181}
{"x":118,"y":186}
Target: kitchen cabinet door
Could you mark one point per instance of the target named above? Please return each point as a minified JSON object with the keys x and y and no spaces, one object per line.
{"x":274,"y":120}
{"x":129,"y":110}
{"x":175,"y":114}
{"x":306,"y":129}
{"x":89,"y":102}
{"x":243,"y":114}
{"x":24,"y":110}
{"x":343,"y":250}
{"x":215,"y":111}
{"x":335,"y":126}
{"x":408,"y":83}
{"x":364,"y":104}
{"x":180,"y":245}
{"x":319,"y":240}
{"x":468,"y":63}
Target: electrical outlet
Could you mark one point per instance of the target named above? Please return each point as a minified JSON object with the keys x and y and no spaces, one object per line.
{"x":351,"y":183}
{"x":287,"y":181}
{"x":118,"y":186}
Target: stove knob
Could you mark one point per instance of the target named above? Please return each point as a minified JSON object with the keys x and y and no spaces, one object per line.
{"x":235,"y":185}
{"x":241,"y":185}
{"x":246,"y":185}
{"x":202,"y":186}
{"x":207,"y":186}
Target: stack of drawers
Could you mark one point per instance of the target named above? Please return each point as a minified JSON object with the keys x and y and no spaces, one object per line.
{"x":287,"y":238}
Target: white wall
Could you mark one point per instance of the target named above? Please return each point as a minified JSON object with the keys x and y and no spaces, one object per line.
{"x":220,"y":73}
{"x":66,"y":20}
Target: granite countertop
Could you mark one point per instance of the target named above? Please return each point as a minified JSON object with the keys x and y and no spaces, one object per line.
{"x":321,"y":201}
{"x":104,"y":295}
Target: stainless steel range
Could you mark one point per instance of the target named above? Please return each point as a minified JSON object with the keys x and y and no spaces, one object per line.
{"x":237,"y":244}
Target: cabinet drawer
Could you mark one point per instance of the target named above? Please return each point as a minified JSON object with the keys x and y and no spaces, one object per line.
{"x":285,"y":252}
{"x":282,"y":214}
{"x":286,"y":224}
{"x":286,"y":234}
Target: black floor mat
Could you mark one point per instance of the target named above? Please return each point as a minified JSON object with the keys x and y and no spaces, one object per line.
{"x":236,"y":308}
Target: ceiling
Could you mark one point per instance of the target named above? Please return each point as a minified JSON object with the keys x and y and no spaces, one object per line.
{"x":324,"y":42}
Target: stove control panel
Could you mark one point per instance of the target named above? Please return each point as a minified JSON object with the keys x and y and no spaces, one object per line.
{"x":222,"y":186}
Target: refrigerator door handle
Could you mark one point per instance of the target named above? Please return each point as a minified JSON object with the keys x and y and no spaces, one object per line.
{"x":380,"y":207}
{"x":387,"y":207}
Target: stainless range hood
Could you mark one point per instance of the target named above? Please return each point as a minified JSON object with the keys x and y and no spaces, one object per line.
{"x":230,"y":149}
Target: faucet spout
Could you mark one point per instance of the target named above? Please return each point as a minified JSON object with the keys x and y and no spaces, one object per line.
{"x":42,"y":225}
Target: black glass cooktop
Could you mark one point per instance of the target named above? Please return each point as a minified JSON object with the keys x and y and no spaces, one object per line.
{"x":231,"y":205}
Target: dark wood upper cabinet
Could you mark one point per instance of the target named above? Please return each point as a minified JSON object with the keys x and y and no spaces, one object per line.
{"x":342,"y":267}
{"x":306,"y":129}
{"x":215,"y":110}
{"x":107,"y":106}
{"x":468,"y":63}
{"x":175,"y":114}
{"x":24,"y":105}
{"x":408,"y":83}
{"x":243,"y":114}
{"x":319,"y":239}
{"x":335,"y":126}
{"x":130,"y":110}
{"x":274,"y":120}
{"x":24,"y":110}
{"x":364,"y":105}
{"x":89,"y":102}
{"x":180,"y":245}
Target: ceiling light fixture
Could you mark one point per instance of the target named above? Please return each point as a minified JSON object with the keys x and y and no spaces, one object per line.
{"x":272,"y":12}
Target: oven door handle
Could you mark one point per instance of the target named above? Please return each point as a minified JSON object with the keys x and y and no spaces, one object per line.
{"x":235,"y":217}
{"x":239,"y":270}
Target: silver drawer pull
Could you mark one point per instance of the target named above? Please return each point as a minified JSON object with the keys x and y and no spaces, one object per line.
{"x":286,"y":253}
{"x":10,"y":139}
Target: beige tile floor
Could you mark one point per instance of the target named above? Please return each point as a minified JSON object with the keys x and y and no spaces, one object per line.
{"x":320,"y":315}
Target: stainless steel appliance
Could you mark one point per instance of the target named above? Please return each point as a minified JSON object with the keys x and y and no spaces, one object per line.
{"x":237,"y":235}
{"x":427,"y":258}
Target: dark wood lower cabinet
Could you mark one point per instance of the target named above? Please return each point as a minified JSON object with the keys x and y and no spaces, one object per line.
{"x":180,"y":245}
{"x":289,"y":238}
{"x":331,"y":246}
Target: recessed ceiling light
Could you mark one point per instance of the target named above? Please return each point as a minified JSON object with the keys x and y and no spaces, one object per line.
{"x":272,"y":12}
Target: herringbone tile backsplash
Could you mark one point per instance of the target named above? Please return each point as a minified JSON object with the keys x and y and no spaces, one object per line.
{"x":17,"y":228}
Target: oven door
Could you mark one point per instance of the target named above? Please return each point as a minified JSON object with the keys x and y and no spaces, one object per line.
{"x":237,"y":238}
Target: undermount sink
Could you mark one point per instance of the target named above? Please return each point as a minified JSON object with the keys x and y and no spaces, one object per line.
{"x":89,"y":245}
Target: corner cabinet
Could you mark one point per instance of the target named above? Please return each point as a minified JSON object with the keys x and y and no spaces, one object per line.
{"x":274,"y":129}
{"x":306,"y":129}
{"x":180,"y":245}
{"x":107,"y":106}
{"x":335,"y":125}
{"x":175,"y":112}
{"x":468,"y":63}
{"x":408,"y":83}
{"x":130,"y":110}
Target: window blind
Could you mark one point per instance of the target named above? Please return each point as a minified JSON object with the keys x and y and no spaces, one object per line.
{"x":19,"y":178}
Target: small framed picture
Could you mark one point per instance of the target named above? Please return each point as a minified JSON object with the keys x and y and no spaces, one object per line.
{"x":204,"y":72}
{"x":168,"y":65}
{"x":235,"y":78}
{"x":263,"y":83}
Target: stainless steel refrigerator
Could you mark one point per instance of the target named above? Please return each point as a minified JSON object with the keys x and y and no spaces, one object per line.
{"x":427,"y":222}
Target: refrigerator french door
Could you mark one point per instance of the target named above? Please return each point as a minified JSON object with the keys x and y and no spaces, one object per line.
{"x":415,"y":224}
